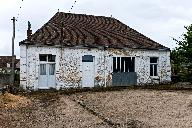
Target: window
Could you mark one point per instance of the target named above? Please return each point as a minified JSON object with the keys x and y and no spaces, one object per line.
{"x":43,"y":57}
{"x":123,"y":64}
{"x":51,"y":58}
{"x":47,"y":58}
{"x":87,"y":58}
{"x":153,"y":66}
{"x":42,"y":69}
{"x":51,"y":69}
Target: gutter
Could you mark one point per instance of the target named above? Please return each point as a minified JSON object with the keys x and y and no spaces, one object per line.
{"x":26,"y":42}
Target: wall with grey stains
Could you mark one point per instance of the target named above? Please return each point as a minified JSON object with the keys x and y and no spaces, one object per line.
{"x":69,"y":65}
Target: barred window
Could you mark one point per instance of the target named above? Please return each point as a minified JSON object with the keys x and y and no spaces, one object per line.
{"x":123,"y":64}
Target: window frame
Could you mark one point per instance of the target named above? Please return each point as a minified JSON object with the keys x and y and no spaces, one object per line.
{"x":153,"y":67}
{"x":48,"y":63}
{"x":48,"y":58}
{"x":40,"y":57}
{"x":87,"y":58}
{"x":128,"y":66}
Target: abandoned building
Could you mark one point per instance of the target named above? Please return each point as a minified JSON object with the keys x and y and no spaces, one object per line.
{"x":6,"y":68}
{"x":78,"y":50}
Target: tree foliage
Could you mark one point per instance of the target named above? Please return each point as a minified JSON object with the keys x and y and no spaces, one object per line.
{"x":181,"y":56}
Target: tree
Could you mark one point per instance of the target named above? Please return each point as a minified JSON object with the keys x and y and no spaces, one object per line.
{"x":181,"y":56}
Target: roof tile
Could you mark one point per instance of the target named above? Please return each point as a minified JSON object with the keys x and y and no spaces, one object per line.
{"x":69,"y":29}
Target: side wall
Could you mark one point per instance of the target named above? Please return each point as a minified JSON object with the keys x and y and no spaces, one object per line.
{"x":142,"y":64}
{"x":69,"y":65}
{"x":23,"y":66}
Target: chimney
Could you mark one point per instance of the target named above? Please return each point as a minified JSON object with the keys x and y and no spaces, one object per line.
{"x":29,"y":31}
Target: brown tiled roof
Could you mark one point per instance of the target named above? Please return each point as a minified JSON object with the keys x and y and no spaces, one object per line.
{"x":4,"y":60}
{"x":68,"y":29}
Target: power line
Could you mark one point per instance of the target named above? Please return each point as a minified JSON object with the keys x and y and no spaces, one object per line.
{"x":72,"y":6}
{"x":19,"y":11}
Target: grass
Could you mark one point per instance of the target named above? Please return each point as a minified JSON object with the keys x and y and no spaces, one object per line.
{"x":8,"y":100}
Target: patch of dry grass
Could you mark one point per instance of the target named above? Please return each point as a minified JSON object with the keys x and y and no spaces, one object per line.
{"x":49,"y":110}
{"x":9,"y":100}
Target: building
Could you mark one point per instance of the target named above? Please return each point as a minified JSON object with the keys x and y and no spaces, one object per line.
{"x":77,"y":50}
{"x":6,"y":68}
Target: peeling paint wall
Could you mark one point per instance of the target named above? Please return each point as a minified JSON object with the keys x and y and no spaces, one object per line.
{"x":23,"y":66}
{"x":68,"y":71}
{"x":142,"y":64}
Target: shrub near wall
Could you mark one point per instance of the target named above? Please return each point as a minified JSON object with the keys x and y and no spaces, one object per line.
{"x":5,"y":78}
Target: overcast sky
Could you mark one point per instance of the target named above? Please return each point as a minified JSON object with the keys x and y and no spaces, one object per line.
{"x":160,"y":20}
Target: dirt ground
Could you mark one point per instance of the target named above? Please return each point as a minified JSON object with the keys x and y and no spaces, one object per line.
{"x":126,"y":108}
{"x":145,"y":108}
{"x":49,"y":111}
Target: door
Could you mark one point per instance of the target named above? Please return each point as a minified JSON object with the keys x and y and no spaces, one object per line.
{"x":47,"y":76}
{"x":43,"y":76}
{"x":51,"y":76}
{"x":124,"y":78}
{"x":88,"y":71}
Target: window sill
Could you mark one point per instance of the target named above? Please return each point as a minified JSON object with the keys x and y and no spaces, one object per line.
{"x":155,"y":77}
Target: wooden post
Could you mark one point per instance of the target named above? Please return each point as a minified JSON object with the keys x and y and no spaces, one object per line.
{"x":13,"y":57}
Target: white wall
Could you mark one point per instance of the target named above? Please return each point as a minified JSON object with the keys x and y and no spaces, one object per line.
{"x":69,"y":65}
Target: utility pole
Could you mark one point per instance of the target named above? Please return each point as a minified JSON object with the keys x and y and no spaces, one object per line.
{"x":13,"y":57}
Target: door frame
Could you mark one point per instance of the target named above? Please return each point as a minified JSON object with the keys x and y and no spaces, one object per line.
{"x":47,"y":73}
{"x":93,"y":82}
